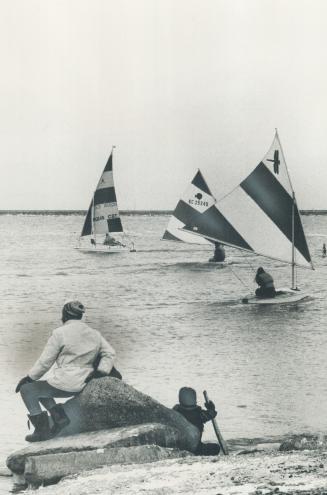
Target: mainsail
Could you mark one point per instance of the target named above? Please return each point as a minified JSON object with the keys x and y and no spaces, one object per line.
{"x":196,"y":200}
{"x":103,"y":215}
{"x":260,"y":215}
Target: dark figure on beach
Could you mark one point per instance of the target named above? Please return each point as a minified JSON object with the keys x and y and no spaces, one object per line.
{"x":219,"y":254}
{"x":74,"y":348}
{"x":266,"y":284}
{"x":93,"y":241}
{"x":324,"y":250}
{"x":197,"y":416}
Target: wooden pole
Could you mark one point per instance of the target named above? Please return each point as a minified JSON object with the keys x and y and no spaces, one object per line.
{"x":219,"y":436}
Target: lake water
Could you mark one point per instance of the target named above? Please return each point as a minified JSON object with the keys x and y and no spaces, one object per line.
{"x":174,"y":320}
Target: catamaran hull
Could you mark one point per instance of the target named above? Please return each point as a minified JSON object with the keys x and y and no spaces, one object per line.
{"x":103,"y":249}
{"x":283,"y":296}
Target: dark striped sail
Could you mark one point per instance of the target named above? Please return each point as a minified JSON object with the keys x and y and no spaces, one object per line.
{"x":263,"y":211}
{"x":196,"y":200}
{"x":103,"y":215}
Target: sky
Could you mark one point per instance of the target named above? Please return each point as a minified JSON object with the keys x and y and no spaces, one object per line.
{"x":175,"y":85}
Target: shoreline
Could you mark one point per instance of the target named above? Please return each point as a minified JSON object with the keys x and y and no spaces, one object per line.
{"x":259,"y":473}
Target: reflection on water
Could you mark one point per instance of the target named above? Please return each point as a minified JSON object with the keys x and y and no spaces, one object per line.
{"x":174,"y":319}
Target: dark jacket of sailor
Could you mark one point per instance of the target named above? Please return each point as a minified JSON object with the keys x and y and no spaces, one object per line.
{"x":197,"y":416}
{"x":264,"y":279}
{"x":219,"y":254}
{"x":191,"y":411}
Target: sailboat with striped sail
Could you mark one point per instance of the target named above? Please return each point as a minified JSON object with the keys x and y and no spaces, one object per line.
{"x":196,"y":199}
{"x":261,"y":216}
{"x":102,"y":218}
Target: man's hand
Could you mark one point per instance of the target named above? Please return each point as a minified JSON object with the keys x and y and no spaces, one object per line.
{"x":26,"y":379}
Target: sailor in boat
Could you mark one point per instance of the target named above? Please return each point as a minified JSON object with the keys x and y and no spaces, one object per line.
{"x":219,"y":254}
{"x":324,"y":250}
{"x":197,"y":416}
{"x":266,"y":284}
{"x":111,"y":241}
{"x":74,"y":347}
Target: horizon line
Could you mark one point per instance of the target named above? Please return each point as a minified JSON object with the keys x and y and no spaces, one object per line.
{"x":122,"y":212}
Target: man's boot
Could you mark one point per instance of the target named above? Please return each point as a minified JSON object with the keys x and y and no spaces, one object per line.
{"x":60,"y":419}
{"x":42,"y":428}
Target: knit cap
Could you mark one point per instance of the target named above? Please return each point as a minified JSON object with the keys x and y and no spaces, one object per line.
{"x":74,"y":308}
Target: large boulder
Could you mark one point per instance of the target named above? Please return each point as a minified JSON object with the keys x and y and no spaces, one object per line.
{"x":93,"y":442}
{"x":51,"y":468}
{"x":110,"y":403}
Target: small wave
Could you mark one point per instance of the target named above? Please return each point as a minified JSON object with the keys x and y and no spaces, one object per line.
{"x":197,"y":265}
{"x":23,"y":275}
{"x":64,"y":274}
{"x":167,"y":250}
{"x":228,"y":302}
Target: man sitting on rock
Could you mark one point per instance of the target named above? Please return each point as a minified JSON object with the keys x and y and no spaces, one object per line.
{"x":194,"y":414}
{"x":73,"y":347}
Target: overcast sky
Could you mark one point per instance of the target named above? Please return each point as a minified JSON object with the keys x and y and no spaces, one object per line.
{"x":174,"y":84}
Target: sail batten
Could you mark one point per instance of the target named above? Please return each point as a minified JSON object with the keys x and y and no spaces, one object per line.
{"x":103,"y":215}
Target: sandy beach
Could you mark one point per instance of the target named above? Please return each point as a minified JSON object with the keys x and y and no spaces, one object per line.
{"x":259,"y":473}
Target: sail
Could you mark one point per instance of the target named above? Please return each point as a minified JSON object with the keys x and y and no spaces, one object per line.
{"x":104,"y":206}
{"x":87,"y":227}
{"x":195,"y":200}
{"x":262,"y":211}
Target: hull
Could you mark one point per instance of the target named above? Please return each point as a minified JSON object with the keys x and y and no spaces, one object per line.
{"x":284,"y":296}
{"x":103,"y":249}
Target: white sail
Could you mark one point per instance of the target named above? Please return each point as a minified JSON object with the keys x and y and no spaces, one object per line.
{"x":260,"y":215}
{"x":195,"y":200}
{"x":103,"y":215}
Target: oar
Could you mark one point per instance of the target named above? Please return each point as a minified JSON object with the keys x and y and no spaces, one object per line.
{"x":220,"y":439}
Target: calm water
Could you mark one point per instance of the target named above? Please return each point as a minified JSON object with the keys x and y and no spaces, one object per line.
{"x":174,"y":320}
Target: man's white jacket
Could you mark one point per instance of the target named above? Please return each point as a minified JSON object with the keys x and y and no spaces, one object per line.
{"x":73,"y":348}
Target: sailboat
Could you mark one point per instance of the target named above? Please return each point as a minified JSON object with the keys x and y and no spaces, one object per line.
{"x":260,"y":216}
{"x":196,"y":200}
{"x":102,"y":218}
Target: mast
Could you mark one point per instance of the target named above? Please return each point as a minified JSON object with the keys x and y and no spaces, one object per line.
{"x":293,"y":214}
{"x":293,"y":242}
{"x":92,"y":216}
{"x":112,"y":162}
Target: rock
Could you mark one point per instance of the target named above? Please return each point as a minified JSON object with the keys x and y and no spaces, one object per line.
{"x":52,"y":467}
{"x":107,"y":404}
{"x":110,"y":403}
{"x":155,"y":434}
{"x":304,"y":442}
